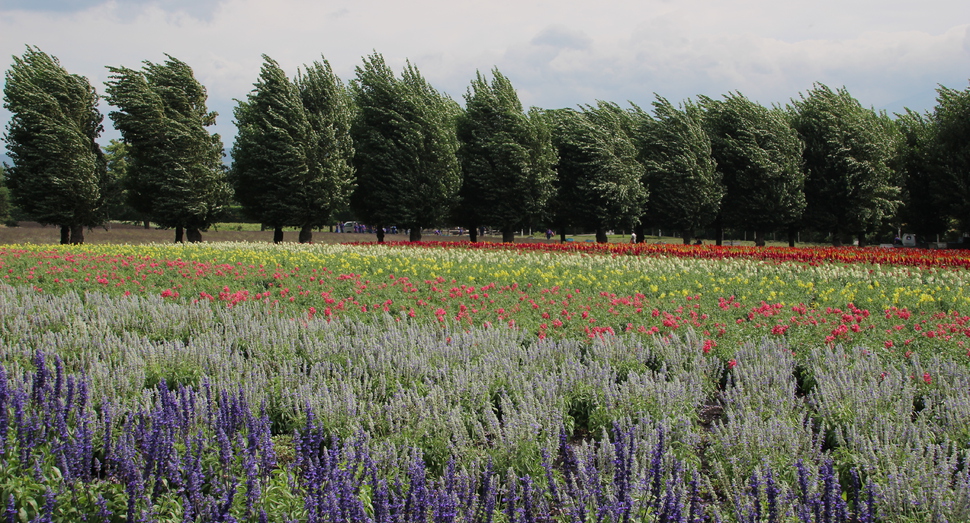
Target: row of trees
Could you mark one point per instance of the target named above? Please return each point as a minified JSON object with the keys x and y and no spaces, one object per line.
{"x":399,"y":153}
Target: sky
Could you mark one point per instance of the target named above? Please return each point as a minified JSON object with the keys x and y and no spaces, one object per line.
{"x":889,"y":54}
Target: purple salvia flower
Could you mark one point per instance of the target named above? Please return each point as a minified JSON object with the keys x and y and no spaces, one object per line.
{"x":550,"y":478}
{"x":104,"y":514}
{"x":11,"y":509}
{"x":511,"y":499}
{"x":528,"y":511}
{"x":771,"y":492}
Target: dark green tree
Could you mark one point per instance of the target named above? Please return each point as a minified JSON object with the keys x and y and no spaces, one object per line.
{"x":6,"y":208}
{"x":951,"y":118}
{"x":175,"y":175}
{"x":851,"y":185}
{"x":925,"y":193}
{"x":507,"y":159}
{"x":291,"y":157}
{"x":332,"y":177}
{"x":599,"y":177}
{"x":681,"y":175}
{"x":405,"y":144}
{"x":116,"y":156}
{"x":759,"y":159}
{"x":58,"y":175}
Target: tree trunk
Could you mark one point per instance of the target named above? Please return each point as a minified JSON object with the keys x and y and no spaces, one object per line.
{"x":77,"y":234}
{"x":277,"y":235}
{"x":687,"y":235}
{"x":65,"y":234}
{"x":862,"y":239}
{"x":306,"y":234}
{"x":601,"y":235}
{"x":179,"y":234}
{"x":380,"y":234}
{"x":473,"y":233}
{"x":508,"y":235}
{"x":562,"y":235}
{"x":193,"y":234}
{"x":641,"y":233}
{"x":415,"y":235}
{"x":836,"y":239}
{"x":792,"y":236}
{"x":759,"y":238}
{"x":719,"y":231}
{"x":148,"y":224}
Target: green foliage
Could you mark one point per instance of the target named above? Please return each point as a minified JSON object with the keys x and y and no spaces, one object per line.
{"x":6,"y":207}
{"x":925,"y":192}
{"x":685,"y":186}
{"x":851,"y":185}
{"x":406,"y":148}
{"x":291,"y":157}
{"x":59,"y":174}
{"x":175,"y":175}
{"x":759,"y":159}
{"x":952,"y":122}
{"x":506,"y":155}
{"x":599,"y":178}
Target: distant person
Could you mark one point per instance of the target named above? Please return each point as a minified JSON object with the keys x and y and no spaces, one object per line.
{"x":699,"y":242}
{"x":633,"y":237}
{"x":548,"y":234}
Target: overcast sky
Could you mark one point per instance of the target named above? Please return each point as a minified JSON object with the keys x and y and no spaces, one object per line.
{"x":890,"y":54}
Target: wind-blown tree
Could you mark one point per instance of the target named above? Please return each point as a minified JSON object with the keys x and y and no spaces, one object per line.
{"x":599,"y":177}
{"x":759,"y":159}
{"x":925,"y":193}
{"x":405,"y":144}
{"x":6,"y":209}
{"x":851,"y":184}
{"x":176,"y":176}
{"x":330,"y":113}
{"x":951,"y":118}
{"x":507,"y":159}
{"x":116,"y":157}
{"x":58,"y":175}
{"x":292,"y":151}
{"x":681,"y":175}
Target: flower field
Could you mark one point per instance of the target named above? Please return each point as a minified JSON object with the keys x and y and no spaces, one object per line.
{"x":229,"y":382}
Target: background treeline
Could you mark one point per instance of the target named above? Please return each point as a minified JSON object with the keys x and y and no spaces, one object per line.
{"x":390,"y":150}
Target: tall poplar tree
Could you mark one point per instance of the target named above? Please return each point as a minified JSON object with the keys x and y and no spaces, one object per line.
{"x":291,"y":157}
{"x":759,"y":159}
{"x":507,"y":159}
{"x":58,"y":175}
{"x":599,"y":177}
{"x":851,"y":185}
{"x":951,"y":118}
{"x":176,"y":176}
{"x":926,"y":195}
{"x":405,"y":144}
{"x":681,"y":174}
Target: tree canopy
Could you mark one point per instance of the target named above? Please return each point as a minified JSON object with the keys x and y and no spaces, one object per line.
{"x":759,"y":159}
{"x":58,"y":174}
{"x":507,"y":159}
{"x":684,"y":185}
{"x":951,"y":119}
{"x":599,"y":177}
{"x":176,"y":176}
{"x":408,"y":173}
{"x":851,"y":183}
{"x":291,"y":157}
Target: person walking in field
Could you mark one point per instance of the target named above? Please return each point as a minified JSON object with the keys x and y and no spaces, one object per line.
{"x":633,"y":237}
